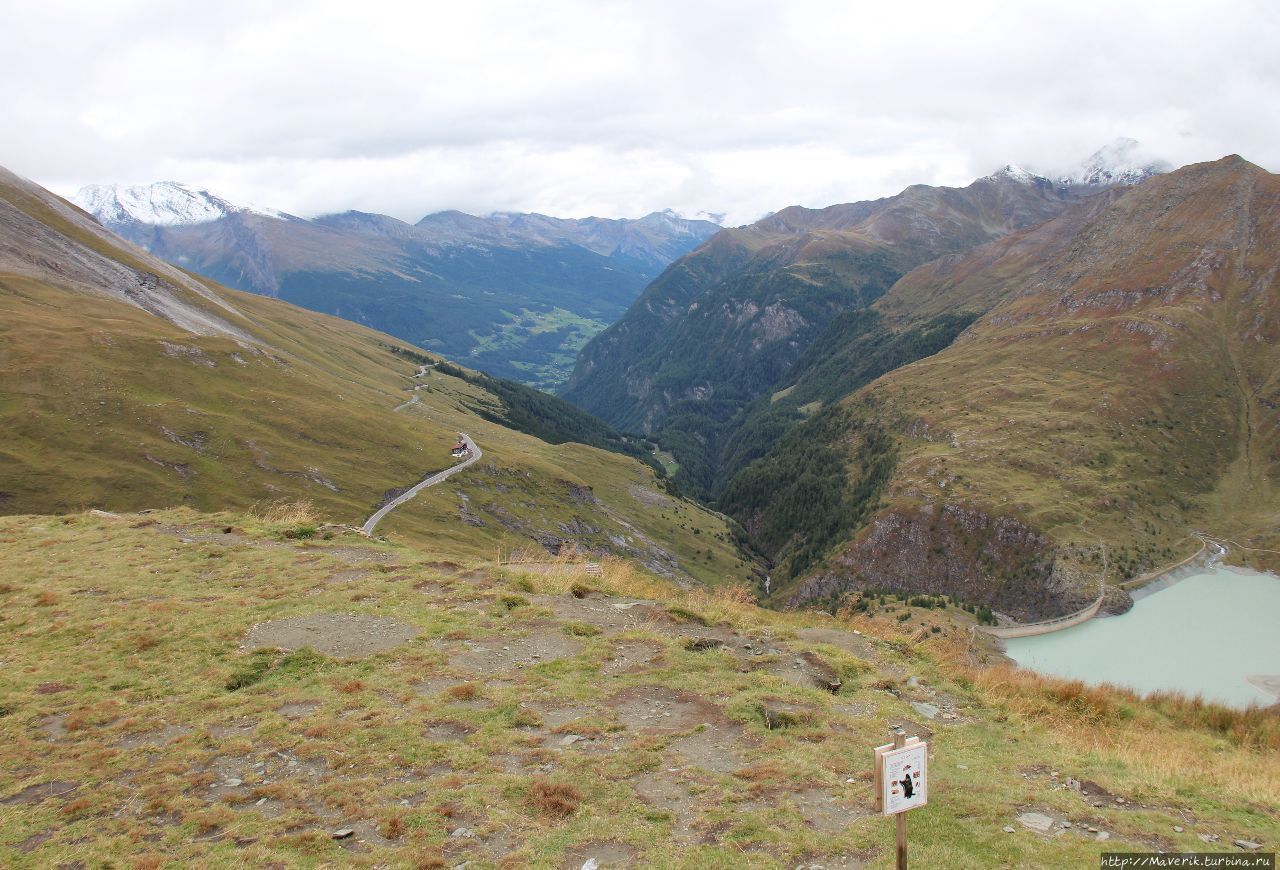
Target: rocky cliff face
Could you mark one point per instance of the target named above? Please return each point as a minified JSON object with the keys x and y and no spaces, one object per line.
{"x":950,"y":549}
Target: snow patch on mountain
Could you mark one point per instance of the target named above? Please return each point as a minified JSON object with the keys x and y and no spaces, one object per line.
{"x":162,"y":204}
{"x":1016,"y":174}
{"x":1124,"y":161}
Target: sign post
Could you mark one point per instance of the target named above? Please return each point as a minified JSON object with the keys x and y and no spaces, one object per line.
{"x":902,"y":782}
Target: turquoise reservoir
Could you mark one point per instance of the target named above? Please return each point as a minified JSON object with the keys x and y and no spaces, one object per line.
{"x":1215,"y":633}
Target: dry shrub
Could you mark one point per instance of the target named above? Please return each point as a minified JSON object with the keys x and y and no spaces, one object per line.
{"x":1254,"y":726}
{"x":734,"y":595}
{"x":47,"y":598}
{"x":392,"y":826}
{"x":448,"y":809}
{"x":525,"y":717}
{"x":761,"y":771}
{"x":1047,"y":698}
{"x":51,"y":688}
{"x":77,"y":807}
{"x":1153,"y":737}
{"x":556,"y":799}
{"x":274,"y":791}
{"x":215,"y":817}
{"x":582,"y":729}
{"x":77,"y":721}
{"x":282,"y":512}
{"x":463,"y":692}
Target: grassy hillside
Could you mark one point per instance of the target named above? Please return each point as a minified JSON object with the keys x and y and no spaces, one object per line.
{"x":107,"y":404}
{"x":373,"y":704}
{"x":1120,"y":391}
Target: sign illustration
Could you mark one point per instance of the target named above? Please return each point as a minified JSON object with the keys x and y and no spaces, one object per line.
{"x":904,"y":778}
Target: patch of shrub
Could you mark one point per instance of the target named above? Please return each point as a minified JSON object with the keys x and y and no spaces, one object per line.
{"x":511,"y":602}
{"x":580,"y":629}
{"x":682,"y":615}
{"x":463,"y":692}
{"x":523,"y":717}
{"x":253,"y":672}
{"x":557,"y":799}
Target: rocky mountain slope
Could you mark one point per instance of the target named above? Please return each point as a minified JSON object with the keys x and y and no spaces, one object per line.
{"x":1119,"y":387}
{"x":126,"y":383}
{"x":725,"y":324}
{"x":514,"y":294}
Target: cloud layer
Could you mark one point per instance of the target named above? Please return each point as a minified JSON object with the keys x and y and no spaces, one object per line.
{"x":618,"y":109}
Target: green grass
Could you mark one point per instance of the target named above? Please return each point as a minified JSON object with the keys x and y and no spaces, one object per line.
{"x":549,"y":369}
{"x":411,"y":743}
{"x":107,"y":406}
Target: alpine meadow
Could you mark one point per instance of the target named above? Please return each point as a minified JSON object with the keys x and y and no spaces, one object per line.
{"x":592,"y":436}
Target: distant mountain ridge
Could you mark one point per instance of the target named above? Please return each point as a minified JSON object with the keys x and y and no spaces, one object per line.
{"x":723,"y":325}
{"x":513,"y":294}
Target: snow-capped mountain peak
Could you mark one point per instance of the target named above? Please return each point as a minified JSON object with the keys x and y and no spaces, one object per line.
{"x":1015,"y":173}
{"x":162,"y":204}
{"x":1124,"y":161}
{"x":165,"y":204}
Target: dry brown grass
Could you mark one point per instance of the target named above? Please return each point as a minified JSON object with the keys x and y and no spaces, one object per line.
{"x":392,"y":826}
{"x":144,"y":642}
{"x":555,"y":799}
{"x":1165,"y":737}
{"x":463,"y":692}
{"x":762,"y":771}
{"x":448,"y":809}
{"x":47,"y":598}
{"x":282,"y":512}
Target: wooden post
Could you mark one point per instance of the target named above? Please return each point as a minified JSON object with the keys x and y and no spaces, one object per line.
{"x":899,"y":740}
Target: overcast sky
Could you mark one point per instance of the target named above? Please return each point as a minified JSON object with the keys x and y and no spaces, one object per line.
{"x":618,"y":109}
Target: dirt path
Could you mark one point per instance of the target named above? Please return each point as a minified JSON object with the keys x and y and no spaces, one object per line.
{"x":371,"y":523}
{"x":474,"y":454}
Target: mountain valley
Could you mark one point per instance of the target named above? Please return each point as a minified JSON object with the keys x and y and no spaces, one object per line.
{"x":513,"y":294}
{"x":553,"y":658}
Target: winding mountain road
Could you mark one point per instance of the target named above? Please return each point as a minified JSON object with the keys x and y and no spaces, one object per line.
{"x":387,"y":508}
